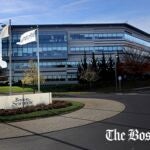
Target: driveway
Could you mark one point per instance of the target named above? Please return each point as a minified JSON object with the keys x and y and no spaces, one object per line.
{"x":92,"y":136}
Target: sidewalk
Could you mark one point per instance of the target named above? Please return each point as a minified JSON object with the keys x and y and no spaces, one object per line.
{"x":94,"y":110}
{"x":144,"y":90}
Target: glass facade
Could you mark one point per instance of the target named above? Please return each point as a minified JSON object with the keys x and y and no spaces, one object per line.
{"x":52,"y":45}
{"x":97,"y":48}
{"x":94,"y":36}
{"x":136,"y":40}
{"x":107,"y":36}
{"x":25,"y":65}
{"x":55,"y":77}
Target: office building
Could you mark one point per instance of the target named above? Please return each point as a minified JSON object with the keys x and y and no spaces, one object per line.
{"x":62,"y":47}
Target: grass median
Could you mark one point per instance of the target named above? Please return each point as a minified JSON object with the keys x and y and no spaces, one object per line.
{"x":15,"y":89}
{"x":42,"y":113}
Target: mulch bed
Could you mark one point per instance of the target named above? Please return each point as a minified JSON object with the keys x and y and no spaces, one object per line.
{"x":29,"y":109}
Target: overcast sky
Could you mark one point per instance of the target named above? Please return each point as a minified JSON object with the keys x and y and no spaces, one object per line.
{"x":134,"y":12}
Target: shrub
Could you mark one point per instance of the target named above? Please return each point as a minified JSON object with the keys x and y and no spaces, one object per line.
{"x":39,"y":107}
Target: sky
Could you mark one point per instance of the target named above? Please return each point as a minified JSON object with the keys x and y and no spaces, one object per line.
{"x":134,"y":12}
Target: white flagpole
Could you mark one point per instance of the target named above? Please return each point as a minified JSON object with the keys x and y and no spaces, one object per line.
{"x":38,"y":59}
{"x":10,"y":59}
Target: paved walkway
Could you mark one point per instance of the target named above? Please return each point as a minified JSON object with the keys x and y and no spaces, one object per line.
{"x":94,"y":110}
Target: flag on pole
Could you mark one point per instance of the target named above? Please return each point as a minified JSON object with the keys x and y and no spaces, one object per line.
{"x":5,"y":32}
{"x":27,"y":37}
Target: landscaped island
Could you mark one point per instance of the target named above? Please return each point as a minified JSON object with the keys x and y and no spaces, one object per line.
{"x":41,"y":110}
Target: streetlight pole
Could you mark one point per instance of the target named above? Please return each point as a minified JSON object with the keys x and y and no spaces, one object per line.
{"x":10,"y":55}
{"x":10,"y":51}
{"x":116,"y":76}
{"x":10,"y":59}
{"x":38,"y":59}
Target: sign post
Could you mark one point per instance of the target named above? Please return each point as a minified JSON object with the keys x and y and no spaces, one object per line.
{"x":120,"y":80}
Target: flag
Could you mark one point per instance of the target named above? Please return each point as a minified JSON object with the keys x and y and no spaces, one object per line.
{"x":5,"y":32}
{"x":27,"y":37}
{"x":3,"y":64}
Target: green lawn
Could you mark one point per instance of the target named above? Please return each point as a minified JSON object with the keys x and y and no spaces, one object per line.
{"x":105,"y":87}
{"x":15,"y":89}
{"x":43,"y":113}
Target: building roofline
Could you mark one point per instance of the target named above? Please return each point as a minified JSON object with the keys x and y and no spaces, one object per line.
{"x":87,"y":25}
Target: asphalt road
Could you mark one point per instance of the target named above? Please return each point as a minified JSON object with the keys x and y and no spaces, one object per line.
{"x":92,"y":136}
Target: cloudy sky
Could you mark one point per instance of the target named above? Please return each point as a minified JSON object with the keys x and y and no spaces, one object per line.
{"x":135,"y":12}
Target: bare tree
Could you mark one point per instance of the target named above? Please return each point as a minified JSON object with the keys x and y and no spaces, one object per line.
{"x":31,"y":77}
{"x":135,"y":61}
{"x":90,"y":76}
